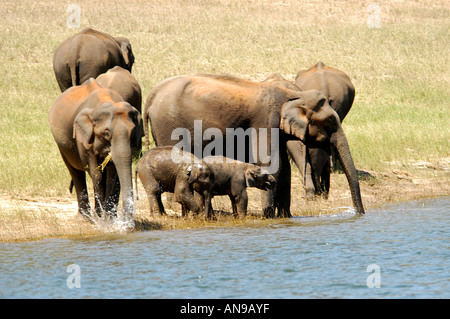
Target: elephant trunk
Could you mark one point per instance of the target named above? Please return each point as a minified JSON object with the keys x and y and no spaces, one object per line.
{"x":121,"y":157}
{"x":339,"y":140}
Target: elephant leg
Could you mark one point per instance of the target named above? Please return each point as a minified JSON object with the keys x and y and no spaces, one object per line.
{"x":309,"y":182}
{"x":268,"y":203}
{"x":112,"y":191}
{"x":233,"y":205}
{"x":153,"y":191}
{"x":184,"y":211}
{"x":99,"y":185}
{"x":300,"y":155}
{"x":241,"y":203}
{"x":208,"y":211}
{"x":335,"y":165}
{"x":79,"y":181}
{"x":320,"y":164}
{"x":325,"y":179}
{"x":161,"y":209}
{"x":155,"y":202}
{"x":284,"y":187}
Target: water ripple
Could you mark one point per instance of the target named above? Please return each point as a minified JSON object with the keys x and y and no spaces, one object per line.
{"x":315,"y":257}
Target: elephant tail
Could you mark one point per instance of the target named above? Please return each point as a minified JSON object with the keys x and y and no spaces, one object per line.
{"x":146,"y":118}
{"x":71,"y":186}
{"x":74,"y":73}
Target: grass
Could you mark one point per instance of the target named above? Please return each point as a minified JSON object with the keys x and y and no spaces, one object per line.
{"x":26,"y":225}
{"x":400,"y":70}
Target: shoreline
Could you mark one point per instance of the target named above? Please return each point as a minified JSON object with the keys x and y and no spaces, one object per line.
{"x":35,"y":218}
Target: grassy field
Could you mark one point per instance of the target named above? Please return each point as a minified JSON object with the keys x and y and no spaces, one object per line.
{"x":401,"y":69}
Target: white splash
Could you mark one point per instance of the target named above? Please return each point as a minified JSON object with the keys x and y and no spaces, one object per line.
{"x":338,"y":211}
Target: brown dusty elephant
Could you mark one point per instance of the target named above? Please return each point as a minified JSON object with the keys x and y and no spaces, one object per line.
{"x":89,"y":54}
{"x":314,"y":163}
{"x":198,"y":107}
{"x":123,"y":82}
{"x":167,"y":169}
{"x":92,"y":125}
{"x":233,"y":177}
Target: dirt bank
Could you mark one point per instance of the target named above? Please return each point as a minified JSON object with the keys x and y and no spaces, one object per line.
{"x":31,"y":218}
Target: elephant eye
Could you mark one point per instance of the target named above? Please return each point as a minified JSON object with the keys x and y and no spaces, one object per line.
{"x":107,"y":135}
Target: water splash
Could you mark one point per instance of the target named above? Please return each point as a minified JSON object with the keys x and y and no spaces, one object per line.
{"x":124,"y":224}
{"x":113,"y":224}
{"x":343,"y":211}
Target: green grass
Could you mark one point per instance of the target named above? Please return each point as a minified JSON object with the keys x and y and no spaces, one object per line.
{"x":400,"y":71}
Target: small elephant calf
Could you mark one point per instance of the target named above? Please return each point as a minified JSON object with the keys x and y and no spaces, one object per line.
{"x":167,"y":169}
{"x":233,"y":178}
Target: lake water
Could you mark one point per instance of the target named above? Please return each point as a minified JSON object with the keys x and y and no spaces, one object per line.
{"x":402,"y":249}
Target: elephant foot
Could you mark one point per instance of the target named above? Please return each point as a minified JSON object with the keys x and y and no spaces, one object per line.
{"x":210,"y":216}
{"x":269,"y":212}
{"x":284,"y":213}
{"x":310,"y":194}
{"x":86,"y":213}
{"x":88,"y":217}
{"x":240,"y":216}
{"x":99,"y":213}
{"x":111,"y":214}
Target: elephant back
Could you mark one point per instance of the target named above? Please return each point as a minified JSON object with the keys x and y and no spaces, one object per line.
{"x":333,"y":83}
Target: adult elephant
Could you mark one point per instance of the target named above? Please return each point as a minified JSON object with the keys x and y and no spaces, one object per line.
{"x":91,"y":125}
{"x":89,"y":54}
{"x":314,"y":163}
{"x":123,"y":82}
{"x":223,"y":102}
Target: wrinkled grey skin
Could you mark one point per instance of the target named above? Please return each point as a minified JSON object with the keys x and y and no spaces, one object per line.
{"x":89,"y":122}
{"x":191,"y":182}
{"x":89,"y":54}
{"x":314,"y":163}
{"x":233,"y":178}
{"x":227,"y":102}
{"x":123,"y":82}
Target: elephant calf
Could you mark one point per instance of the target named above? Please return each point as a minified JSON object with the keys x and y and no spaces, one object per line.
{"x":233,"y":178}
{"x":163,"y":169}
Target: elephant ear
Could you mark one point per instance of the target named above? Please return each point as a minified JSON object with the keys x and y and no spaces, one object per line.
{"x":250,"y":174}
{"x":299,"y":74}
{"x":125,"y":47}
{"x":295,"y":118}
{"x":190,"y":174}
{"x":83,"y":129}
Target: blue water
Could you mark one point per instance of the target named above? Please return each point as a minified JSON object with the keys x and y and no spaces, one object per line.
{"x":405,"y":246}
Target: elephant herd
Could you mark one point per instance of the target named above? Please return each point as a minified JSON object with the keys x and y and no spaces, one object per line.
{"x":98,"y":125}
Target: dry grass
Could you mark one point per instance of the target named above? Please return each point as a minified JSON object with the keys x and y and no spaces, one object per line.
{"x":400,"y":116}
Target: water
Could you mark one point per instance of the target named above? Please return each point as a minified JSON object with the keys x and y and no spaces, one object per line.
{"x":405,"y":248}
